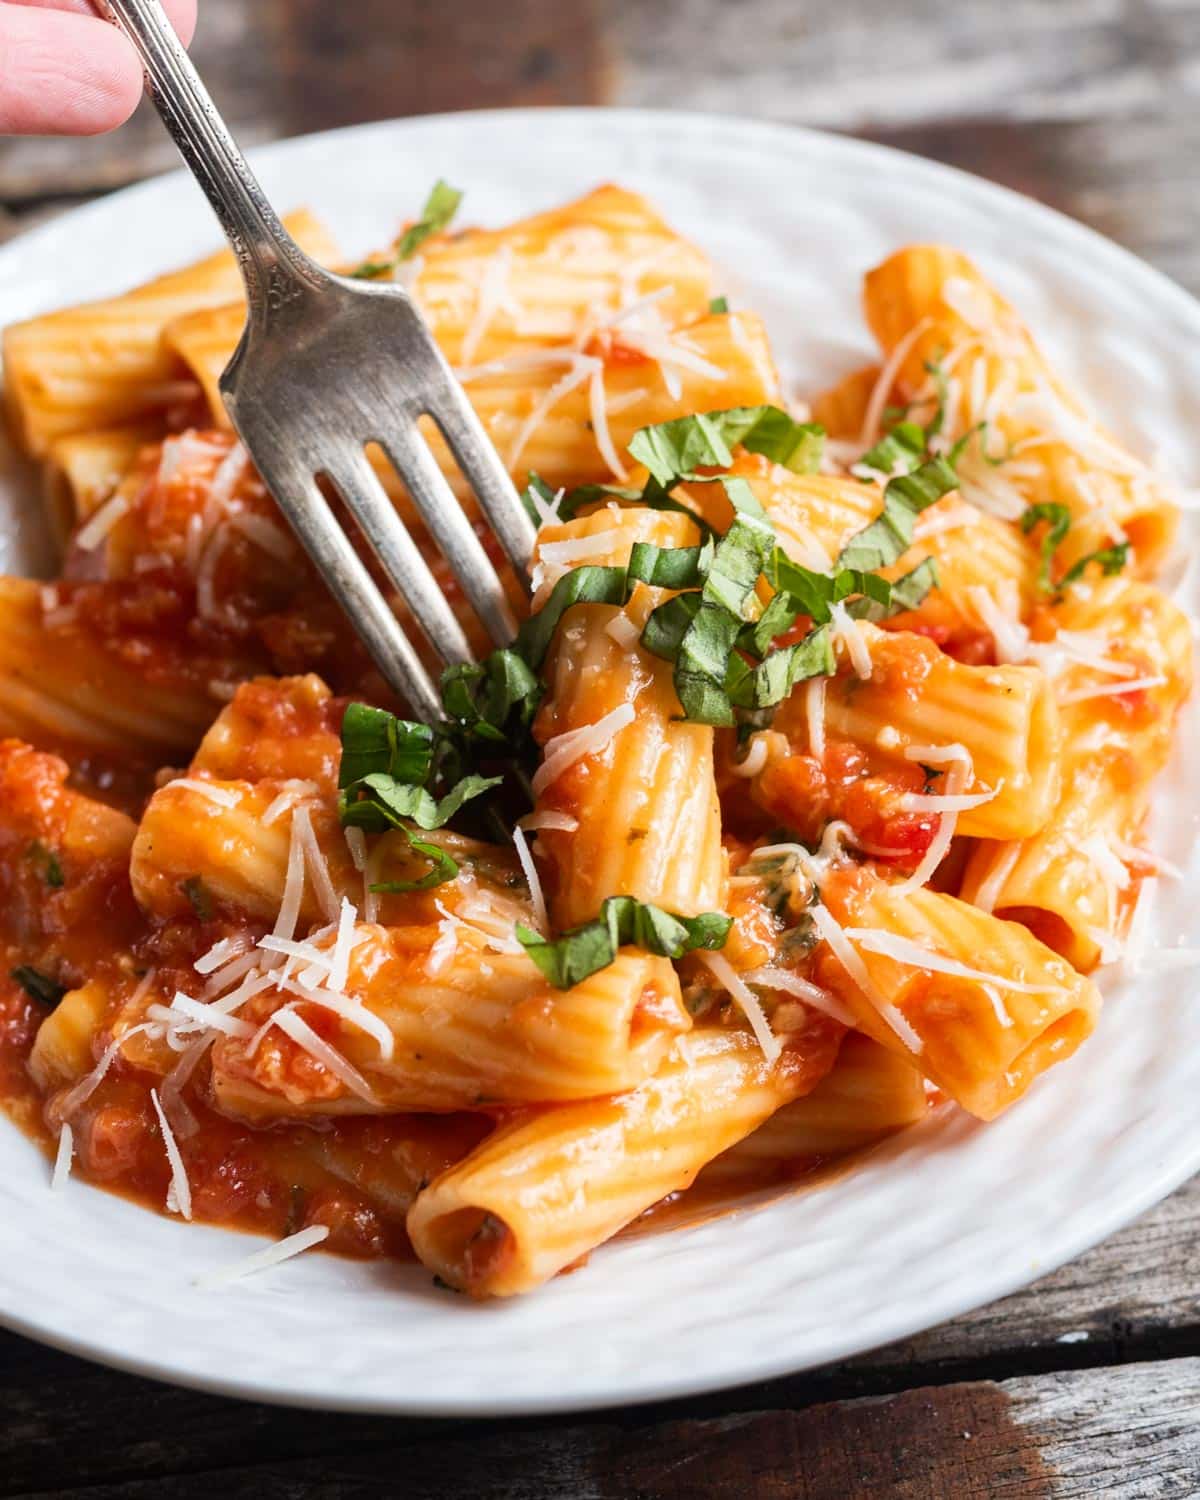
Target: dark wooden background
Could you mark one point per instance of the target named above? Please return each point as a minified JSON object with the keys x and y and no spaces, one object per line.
{"x":1087,"y":1384}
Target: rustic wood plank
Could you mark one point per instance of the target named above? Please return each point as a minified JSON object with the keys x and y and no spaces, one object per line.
{"x":1129,"y":1434}
{"x":285,"y":67}
{"x":873,"y":64}
{"x":1135,"y":1297}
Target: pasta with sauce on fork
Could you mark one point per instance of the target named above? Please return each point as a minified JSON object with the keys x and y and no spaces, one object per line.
{"x":810,"y":792}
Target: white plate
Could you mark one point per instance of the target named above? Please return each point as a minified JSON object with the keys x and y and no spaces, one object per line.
{"x":951,"y":1215}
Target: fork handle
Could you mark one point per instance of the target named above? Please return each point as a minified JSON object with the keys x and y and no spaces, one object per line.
{"x":269,"y":259}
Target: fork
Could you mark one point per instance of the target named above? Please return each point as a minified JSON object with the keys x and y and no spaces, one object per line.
{"x":325,"y":366}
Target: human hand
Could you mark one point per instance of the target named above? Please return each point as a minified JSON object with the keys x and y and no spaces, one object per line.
{"x":66,"y":71}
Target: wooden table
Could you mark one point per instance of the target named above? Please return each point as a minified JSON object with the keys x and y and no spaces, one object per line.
{"x":1087,"y":1384}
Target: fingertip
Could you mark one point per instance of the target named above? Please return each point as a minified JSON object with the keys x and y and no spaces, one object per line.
{"x":113,"y":90}
{"x":183,"y":18}
{"x":64,"y":74}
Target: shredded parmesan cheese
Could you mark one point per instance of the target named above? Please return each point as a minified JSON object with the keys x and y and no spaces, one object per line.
{"x":97,"y":527}
{"x":220,"y":796}
{"x":294,"y":1025}
{"x":560,"y":822}
{"x":882,"y":388}
{"x":747,"y":1002}
{"x":598,"y":410}
{"x":958,"y":758}
{"x":179,"y":1194}
{"x":989,"y":888}
{"x":540,"y":918}
{"x":63,"y":1158}
{"x":847,"y":955}
{"x":773,"y":978}
{"x":293,"y":884}
{"x":563,"y":750}
{"x":493,"y":289}
{"x":914,"y":955}
{"x":262,"y":1260}
{"x":356,"y":842}
{"x":754,"y":759}
{"x":846,"y":631}
{"x":318,"y":868}
{"x":814,"y":714}
{"x":1111,"y":690}
{"x":293,"y":792}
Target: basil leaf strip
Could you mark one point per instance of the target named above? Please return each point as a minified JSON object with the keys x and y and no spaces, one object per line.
{"x":39,"y":986}
{"x":900,"y":451}
{"x":374,"y":740}
{"x":494,"y":699}
{"x":623,"y":920}
{"x":442,"y":867}
{"x":1058,"y":522}
{"x":770,"y":681}
{"x":905,"y":593}
{"x":587,"y":585}
{"x":890,"y":535}
{"x":703,"y":649}
{"x":675,"y":450}
{"x":440,"y":207}
{"x":1109,"y":559}
{"x":378,"y":802}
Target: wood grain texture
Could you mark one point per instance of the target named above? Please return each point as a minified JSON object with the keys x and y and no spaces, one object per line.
{"x":287,"y":67}
{"x":1124,"y":1434}
{"x":1136,"y":1297}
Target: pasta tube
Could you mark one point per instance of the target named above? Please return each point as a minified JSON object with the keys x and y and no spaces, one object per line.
{"x":979,"y":1005}
{"x":1005,"y":718}
{"x":637,"y":813}
{"x":547,"y":1188}
{"x":64,"y":687}
{"x":103,"y":364}
{"x":927,"y":304}
{"x":870,"y":1093}
{"x":1073,"y":882}
{"x":471,"y":1028}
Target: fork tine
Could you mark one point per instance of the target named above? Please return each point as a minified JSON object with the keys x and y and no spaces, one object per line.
{"x":299,"y":497}
{"x":452,"y":530}
{"x":354,"y":479}
{"x":485,"y":472}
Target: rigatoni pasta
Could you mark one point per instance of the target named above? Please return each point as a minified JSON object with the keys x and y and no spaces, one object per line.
{"x":808,"y":793}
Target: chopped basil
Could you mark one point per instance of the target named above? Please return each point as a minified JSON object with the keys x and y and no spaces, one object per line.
{"x":1110,"y":560}
{"x":374,"y":741}
{"x":199,"y":896}
{"x":901,"y":450}
{"x":494,"y":699}
{"x":907,"y":592}
{"x":768,"y":683}
{"x":586,"y":585}
{"x":47,"y":863}
{"x":442,"y":867}
{"x":718,"y":304}
{"x":675,"y":450}
{"x":1057,"y":517}
{"x":378,"y":802}
{"x":623,"y":920}
{"x":890,"y":535}
{"x":440,"y":207}
{"x":701,"y":647}
{"x":39,"y":986}
{"x":1058,"y":523}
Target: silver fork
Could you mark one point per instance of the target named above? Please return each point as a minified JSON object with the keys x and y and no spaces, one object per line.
{"x":325,"y":366}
